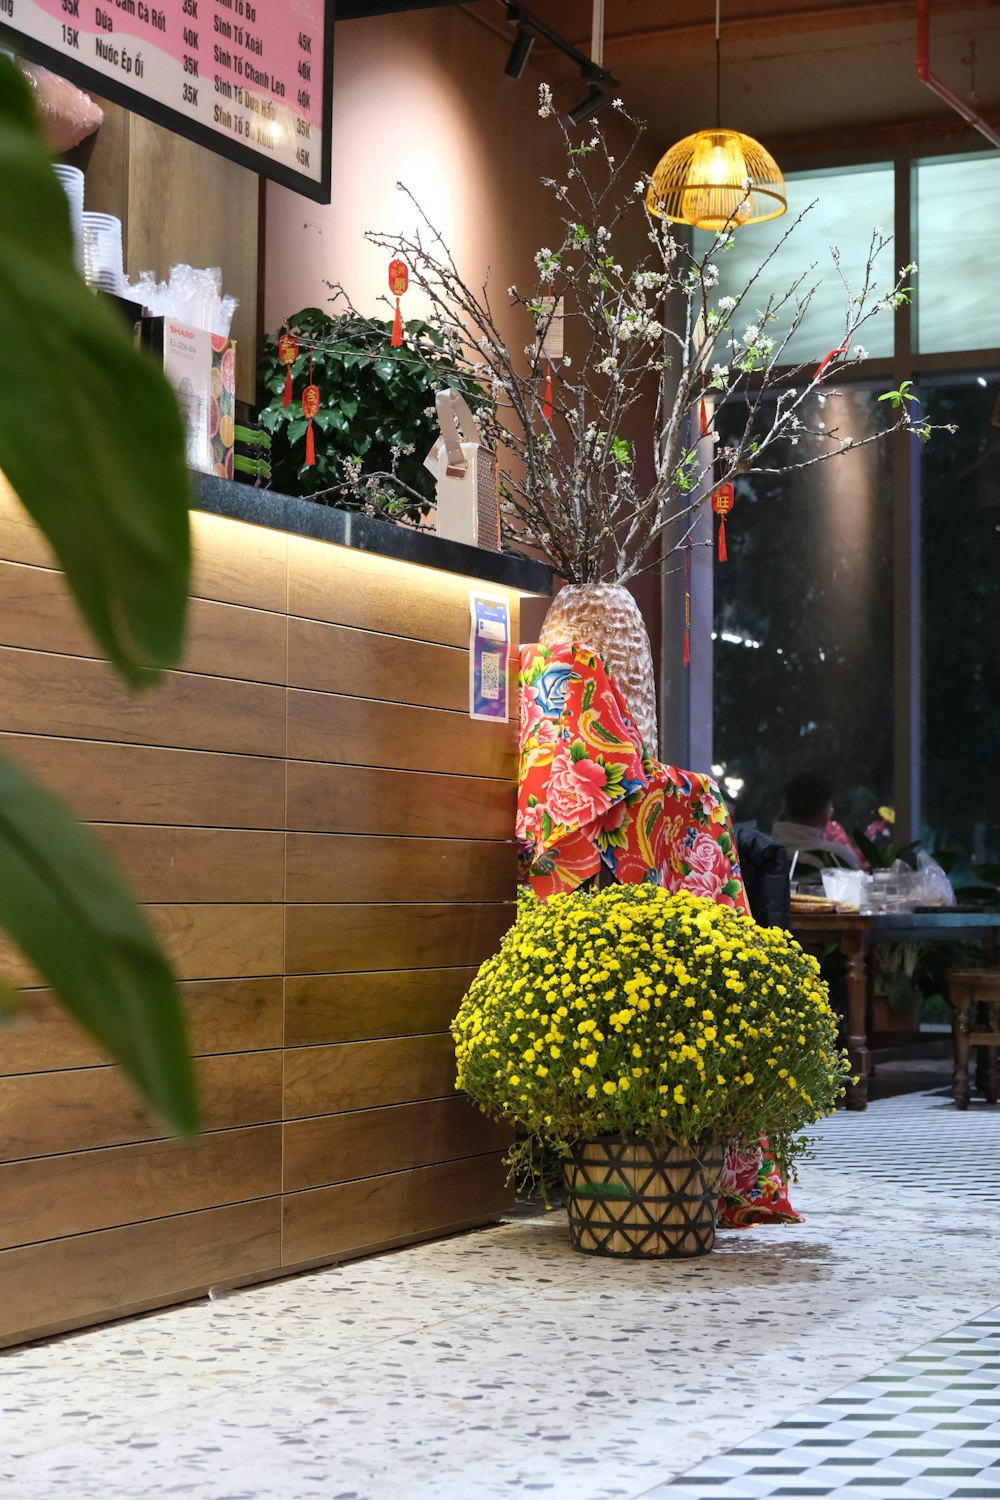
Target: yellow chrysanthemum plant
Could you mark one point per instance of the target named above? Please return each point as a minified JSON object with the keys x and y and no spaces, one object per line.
{"x":633,"y":1012}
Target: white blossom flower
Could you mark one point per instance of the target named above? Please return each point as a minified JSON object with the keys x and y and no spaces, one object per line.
{"x":512,"y":291}
{"x":751,"y":333}
{"x":719,"y":373}
{"x":566,"y":361}
{"x":607,"y":366}
{"x":726,"y":304}
{"x":710,"y":275}
{"x":878,"y":232}
{"x":860,"y":352}
{"x":617,"y":104}
{"x":544,"y":101}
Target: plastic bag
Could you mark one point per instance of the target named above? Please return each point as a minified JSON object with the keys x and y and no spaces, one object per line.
{"x":931,"y":885}
{"x":68,"y":115}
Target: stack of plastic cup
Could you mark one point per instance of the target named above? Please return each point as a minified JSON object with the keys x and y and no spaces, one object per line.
{"x":102,"y":252}
{"x":72,"y":181}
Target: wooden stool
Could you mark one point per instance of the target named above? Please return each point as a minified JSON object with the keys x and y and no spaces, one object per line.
{"x":975,"y":998}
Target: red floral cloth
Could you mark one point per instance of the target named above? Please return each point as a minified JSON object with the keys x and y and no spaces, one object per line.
{"x":589,"y":793}
{"x":752,"y":1190}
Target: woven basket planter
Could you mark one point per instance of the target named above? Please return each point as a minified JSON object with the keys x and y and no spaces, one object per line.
{"x":627,"y":1197}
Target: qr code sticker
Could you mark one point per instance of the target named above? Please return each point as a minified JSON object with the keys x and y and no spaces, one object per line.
{"x":489,"y":664}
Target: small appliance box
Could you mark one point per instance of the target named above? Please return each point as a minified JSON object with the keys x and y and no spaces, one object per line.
{"x":201,"y":367}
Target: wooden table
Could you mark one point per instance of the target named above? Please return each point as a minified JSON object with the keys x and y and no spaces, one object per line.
{"x":854,"y":934}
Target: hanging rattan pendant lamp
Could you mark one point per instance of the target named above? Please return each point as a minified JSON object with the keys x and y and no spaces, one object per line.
{"x":717,"y":179}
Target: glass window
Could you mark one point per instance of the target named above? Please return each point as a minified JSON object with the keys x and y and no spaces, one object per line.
{"x":849,"y":205}
{"x":803,"y":624}
{"x":957,"y":230}
{"x":961,"y":590}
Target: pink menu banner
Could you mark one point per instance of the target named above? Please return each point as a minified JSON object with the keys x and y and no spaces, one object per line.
{"x":248,"y":78}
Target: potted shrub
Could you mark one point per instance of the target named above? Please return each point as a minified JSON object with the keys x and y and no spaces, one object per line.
{"x":641,"y":1034}
{"x":897,"y":990}
{"x":376,"y":420}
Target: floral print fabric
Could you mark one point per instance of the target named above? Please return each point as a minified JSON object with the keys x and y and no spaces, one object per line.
{"x":590,"y":793}
{"x":752,"y":1191}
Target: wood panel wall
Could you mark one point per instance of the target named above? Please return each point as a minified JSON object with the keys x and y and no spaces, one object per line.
{"x":323,"y":838}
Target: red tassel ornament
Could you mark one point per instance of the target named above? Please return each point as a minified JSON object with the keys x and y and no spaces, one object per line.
{"x":310,"y":406}
{"x":722,"y":504}
{"x":288,"y":353}
{"x":547,"y":403}
{"x":399,"y":280}
{"x":833,"y":354}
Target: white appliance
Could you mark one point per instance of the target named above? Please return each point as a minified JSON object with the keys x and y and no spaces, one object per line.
{"x":468,"y":501}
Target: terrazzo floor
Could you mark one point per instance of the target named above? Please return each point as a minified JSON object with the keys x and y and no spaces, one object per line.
{"x":856,"y":1355}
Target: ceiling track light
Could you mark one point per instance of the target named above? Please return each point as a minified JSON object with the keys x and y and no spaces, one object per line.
{"x":519,"y":53}
{"x":597,"y":77}
{"x":596,"y":99}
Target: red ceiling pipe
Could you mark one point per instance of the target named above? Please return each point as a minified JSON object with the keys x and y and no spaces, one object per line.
{"x":941,"y":89}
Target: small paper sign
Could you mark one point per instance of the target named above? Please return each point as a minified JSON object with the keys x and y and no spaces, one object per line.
{"x":551,"y":329}
{"x":488,"y":645}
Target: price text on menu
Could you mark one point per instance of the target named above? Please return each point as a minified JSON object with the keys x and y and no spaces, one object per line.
{"x":248,"y":78}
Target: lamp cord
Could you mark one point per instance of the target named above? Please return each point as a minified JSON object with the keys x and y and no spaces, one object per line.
{"x":718,"y":71}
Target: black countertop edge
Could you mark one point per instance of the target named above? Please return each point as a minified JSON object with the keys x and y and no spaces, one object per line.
{"x":242,"y":502}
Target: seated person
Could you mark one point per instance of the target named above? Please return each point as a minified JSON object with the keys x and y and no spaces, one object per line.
{"x":802,"y":825}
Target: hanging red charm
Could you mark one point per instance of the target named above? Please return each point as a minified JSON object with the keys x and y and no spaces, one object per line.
{"x":833,"y":354}
{"x":399,"y":280}
{"x":547,"y":403}
{"x":310,"y":406}
{"x":288,"y":353}
{"x":687,"y":605}
{"x":722,"y":504}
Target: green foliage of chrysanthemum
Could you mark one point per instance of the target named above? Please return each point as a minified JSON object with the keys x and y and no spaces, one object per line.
{"x":632,"y":1011}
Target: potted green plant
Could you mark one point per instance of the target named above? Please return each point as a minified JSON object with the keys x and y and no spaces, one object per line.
{"x":640,"y":1033}
{"x":376,"y":421}
{"x":896,"y":995}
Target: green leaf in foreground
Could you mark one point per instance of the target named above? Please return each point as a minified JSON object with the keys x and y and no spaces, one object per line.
{"x":90,"y":433}
{"x":69,"y":911}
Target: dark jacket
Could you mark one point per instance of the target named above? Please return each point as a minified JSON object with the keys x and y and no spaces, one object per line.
{"x":764,"y":863}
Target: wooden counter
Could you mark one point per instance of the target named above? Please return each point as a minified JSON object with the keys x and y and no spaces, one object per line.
{"x":324,"y":840}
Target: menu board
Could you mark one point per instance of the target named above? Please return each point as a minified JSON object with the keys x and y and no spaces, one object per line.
{"x":248,"y":78}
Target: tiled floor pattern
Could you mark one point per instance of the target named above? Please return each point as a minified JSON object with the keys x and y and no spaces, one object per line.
{"x":920,"y":1140}
{"x":926,"y":1427}
{"x":502,"y":1362}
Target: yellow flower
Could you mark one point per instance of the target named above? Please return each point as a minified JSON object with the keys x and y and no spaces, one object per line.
{"x":609,"y":1086}
{"x":679,"y":1095}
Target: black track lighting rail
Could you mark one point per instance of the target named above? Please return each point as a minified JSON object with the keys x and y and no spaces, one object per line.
{"x":530,"y":26}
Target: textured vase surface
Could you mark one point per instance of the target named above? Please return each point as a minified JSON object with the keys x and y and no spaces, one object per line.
{"x":605,"y":618}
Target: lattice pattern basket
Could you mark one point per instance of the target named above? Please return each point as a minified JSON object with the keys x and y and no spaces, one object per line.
{"x":627,"y":1197}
